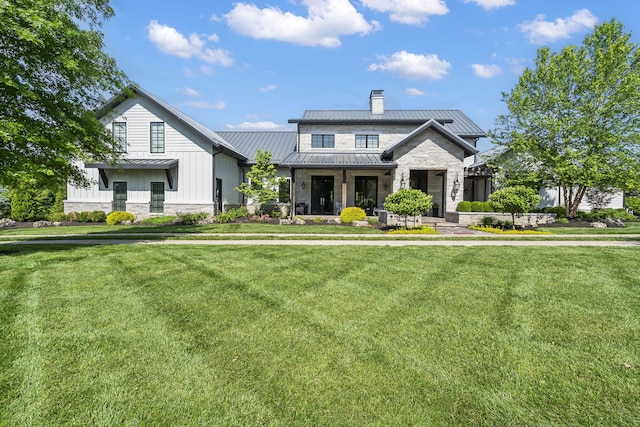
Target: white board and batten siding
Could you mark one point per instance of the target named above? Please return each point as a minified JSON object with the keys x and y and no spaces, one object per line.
{"x":553,"y":197}
{"x":193,"y":180}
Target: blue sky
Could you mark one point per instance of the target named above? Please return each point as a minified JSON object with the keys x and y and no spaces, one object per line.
{"x":253,"y":65}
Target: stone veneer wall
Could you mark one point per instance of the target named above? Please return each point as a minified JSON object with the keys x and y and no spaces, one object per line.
{"x":140,"y":210}
{"x":473,"y":218}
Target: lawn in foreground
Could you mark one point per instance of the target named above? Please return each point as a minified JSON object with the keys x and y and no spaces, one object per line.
{"x":319,"y":336}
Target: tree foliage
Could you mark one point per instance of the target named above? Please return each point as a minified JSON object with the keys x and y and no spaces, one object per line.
{"x":53,"y":76}
{"x":408,"y":202}
{"x":573,"y":119}
{"x":514,"y":200}
{"x":262,"y":187}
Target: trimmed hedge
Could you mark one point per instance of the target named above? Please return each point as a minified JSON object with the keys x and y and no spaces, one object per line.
{"x":464,"y":207}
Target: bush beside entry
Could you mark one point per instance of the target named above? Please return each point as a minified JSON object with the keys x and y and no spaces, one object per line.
{"x":348,"y":215}
{"x":119,"y":216}
{"x":408,"y":202}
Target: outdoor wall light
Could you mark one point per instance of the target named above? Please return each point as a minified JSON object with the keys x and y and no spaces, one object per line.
{"x":386,"y":186}
{"x":402,"y":181}
{"x":303,"y":184}
{"x":456,"y":184}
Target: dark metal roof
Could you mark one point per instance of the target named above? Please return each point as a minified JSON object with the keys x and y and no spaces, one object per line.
{"x":279,"y":144}
{"x":454,"y":120}
{"x":337,"y":160}
{"x":136,"y":164}
{"x":199,"y":128}
{"x":441,"y":129}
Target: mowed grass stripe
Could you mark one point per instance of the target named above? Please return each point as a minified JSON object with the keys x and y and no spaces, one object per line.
{"x":327,"y":336}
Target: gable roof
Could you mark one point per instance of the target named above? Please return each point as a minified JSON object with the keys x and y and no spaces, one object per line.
{"x":454,"y":120}
{"x":279,"y":144}
{"x":206,"y":133}
{"x":441,"y":129}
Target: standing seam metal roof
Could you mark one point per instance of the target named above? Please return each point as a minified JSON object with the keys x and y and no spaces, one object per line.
{"x":279,"y":144}
{"x":454,"y":120}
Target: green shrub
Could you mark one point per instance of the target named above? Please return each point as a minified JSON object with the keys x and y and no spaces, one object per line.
{"x":560,"y":211}
{"x":242,"y":212}
{"x":480,"y":207}
{"x":633,"y":204}
{"x":487,"y":221}
{"x":72,"y":216}
{"x":464,"y":207}
{"x":318,"y":220}
{"x":192,"y":218}
{"x":225,"y":218}
{"x":118,"y":217}
{"x":5,"y":204}
{"x":562,"y":220}
{"x":58,"y":217}
{"x":84,"y":216}
{"x":353,"y":213}
{"x":30,"y":204}
{"x":98,"y":216}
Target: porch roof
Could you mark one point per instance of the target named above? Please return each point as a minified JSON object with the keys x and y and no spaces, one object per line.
{"x":136,"y":164}
{"x":337,"y":161}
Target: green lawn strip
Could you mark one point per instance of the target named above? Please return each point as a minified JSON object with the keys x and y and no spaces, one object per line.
{"x":319,"y":336}
{"x":629,"y":228}
{"x":194,"y":229}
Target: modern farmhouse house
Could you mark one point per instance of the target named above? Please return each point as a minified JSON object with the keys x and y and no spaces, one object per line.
{"x":335,"y":159}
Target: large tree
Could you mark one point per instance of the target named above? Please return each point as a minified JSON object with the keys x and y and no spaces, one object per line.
{"x":54,"y":74}
{"x":574,"y":118}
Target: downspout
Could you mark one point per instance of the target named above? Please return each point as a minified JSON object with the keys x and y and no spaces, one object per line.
{"x":292,"y":194}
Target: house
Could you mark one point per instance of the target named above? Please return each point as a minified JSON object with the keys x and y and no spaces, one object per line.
{"x":172,"y":163}
{"x":479,"y":184}
{"x":335,"y":159}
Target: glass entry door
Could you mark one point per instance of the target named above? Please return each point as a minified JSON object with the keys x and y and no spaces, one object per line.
{"x":321,"y":195}
{"x":367,"y":193}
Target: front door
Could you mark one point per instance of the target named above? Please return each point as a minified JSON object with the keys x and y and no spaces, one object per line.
{"x":157,"y":197}
{"x":321,"y":195}
{"x":367,"y":193}
{"x":119,"y":196}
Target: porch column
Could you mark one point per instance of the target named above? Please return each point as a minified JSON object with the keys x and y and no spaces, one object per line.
{"x":344,"y":188}
{"x":292,"y":202}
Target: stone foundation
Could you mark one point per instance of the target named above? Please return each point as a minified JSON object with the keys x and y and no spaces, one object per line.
{"x":466,"y":219}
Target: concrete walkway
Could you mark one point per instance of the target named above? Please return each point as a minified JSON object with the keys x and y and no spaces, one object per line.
{"x":453,"y":237}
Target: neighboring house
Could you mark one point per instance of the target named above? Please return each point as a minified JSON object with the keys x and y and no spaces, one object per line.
{"x":335,"y":159}
{"x":479,"y":184}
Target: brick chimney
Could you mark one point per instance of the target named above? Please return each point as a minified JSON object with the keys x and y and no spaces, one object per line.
{"x":376,"y":101}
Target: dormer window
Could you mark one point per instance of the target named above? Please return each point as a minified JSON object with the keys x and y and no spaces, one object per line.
{"x":322,"y":141}
{"x":367,"y":141}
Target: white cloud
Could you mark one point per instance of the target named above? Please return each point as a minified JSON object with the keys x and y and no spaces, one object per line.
{"x":220,"y":105}
{"x":189,"y":92}
{"x":327,"y":20}
{"x":492,"y":4}
{"x":414,"y":92}
{"x":413,"y":66}
{"x":486,"y":71}
{"x":257,"y":126}
{"x":540,"y":31}
{"x":172,"y":42}
{"x":268,"y":88}
{"x":412,"y":12}
{"x":206,"y":69}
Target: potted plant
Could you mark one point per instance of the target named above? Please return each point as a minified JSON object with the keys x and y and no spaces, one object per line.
{"x":436,"y":209}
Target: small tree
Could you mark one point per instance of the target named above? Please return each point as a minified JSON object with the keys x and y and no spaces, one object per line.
{"x":263,"y":183}
{"x":408,"y":202}
{"x":514,"y":200}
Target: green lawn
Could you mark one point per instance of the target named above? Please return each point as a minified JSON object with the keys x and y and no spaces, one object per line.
{"x":629,"y":228}
{"x":335,"y":336}
{"x":196,"y":229}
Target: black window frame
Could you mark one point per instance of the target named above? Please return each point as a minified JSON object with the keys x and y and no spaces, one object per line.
{"x":156,"y":145}
{"x":119,"y":136}
{"x":156,"y":204}
{"x":323,"y":140}
{"x":370,"y":141}
{"x":284,"y":191}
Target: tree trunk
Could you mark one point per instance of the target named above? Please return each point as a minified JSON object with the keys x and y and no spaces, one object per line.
{"x":572,"y":199}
